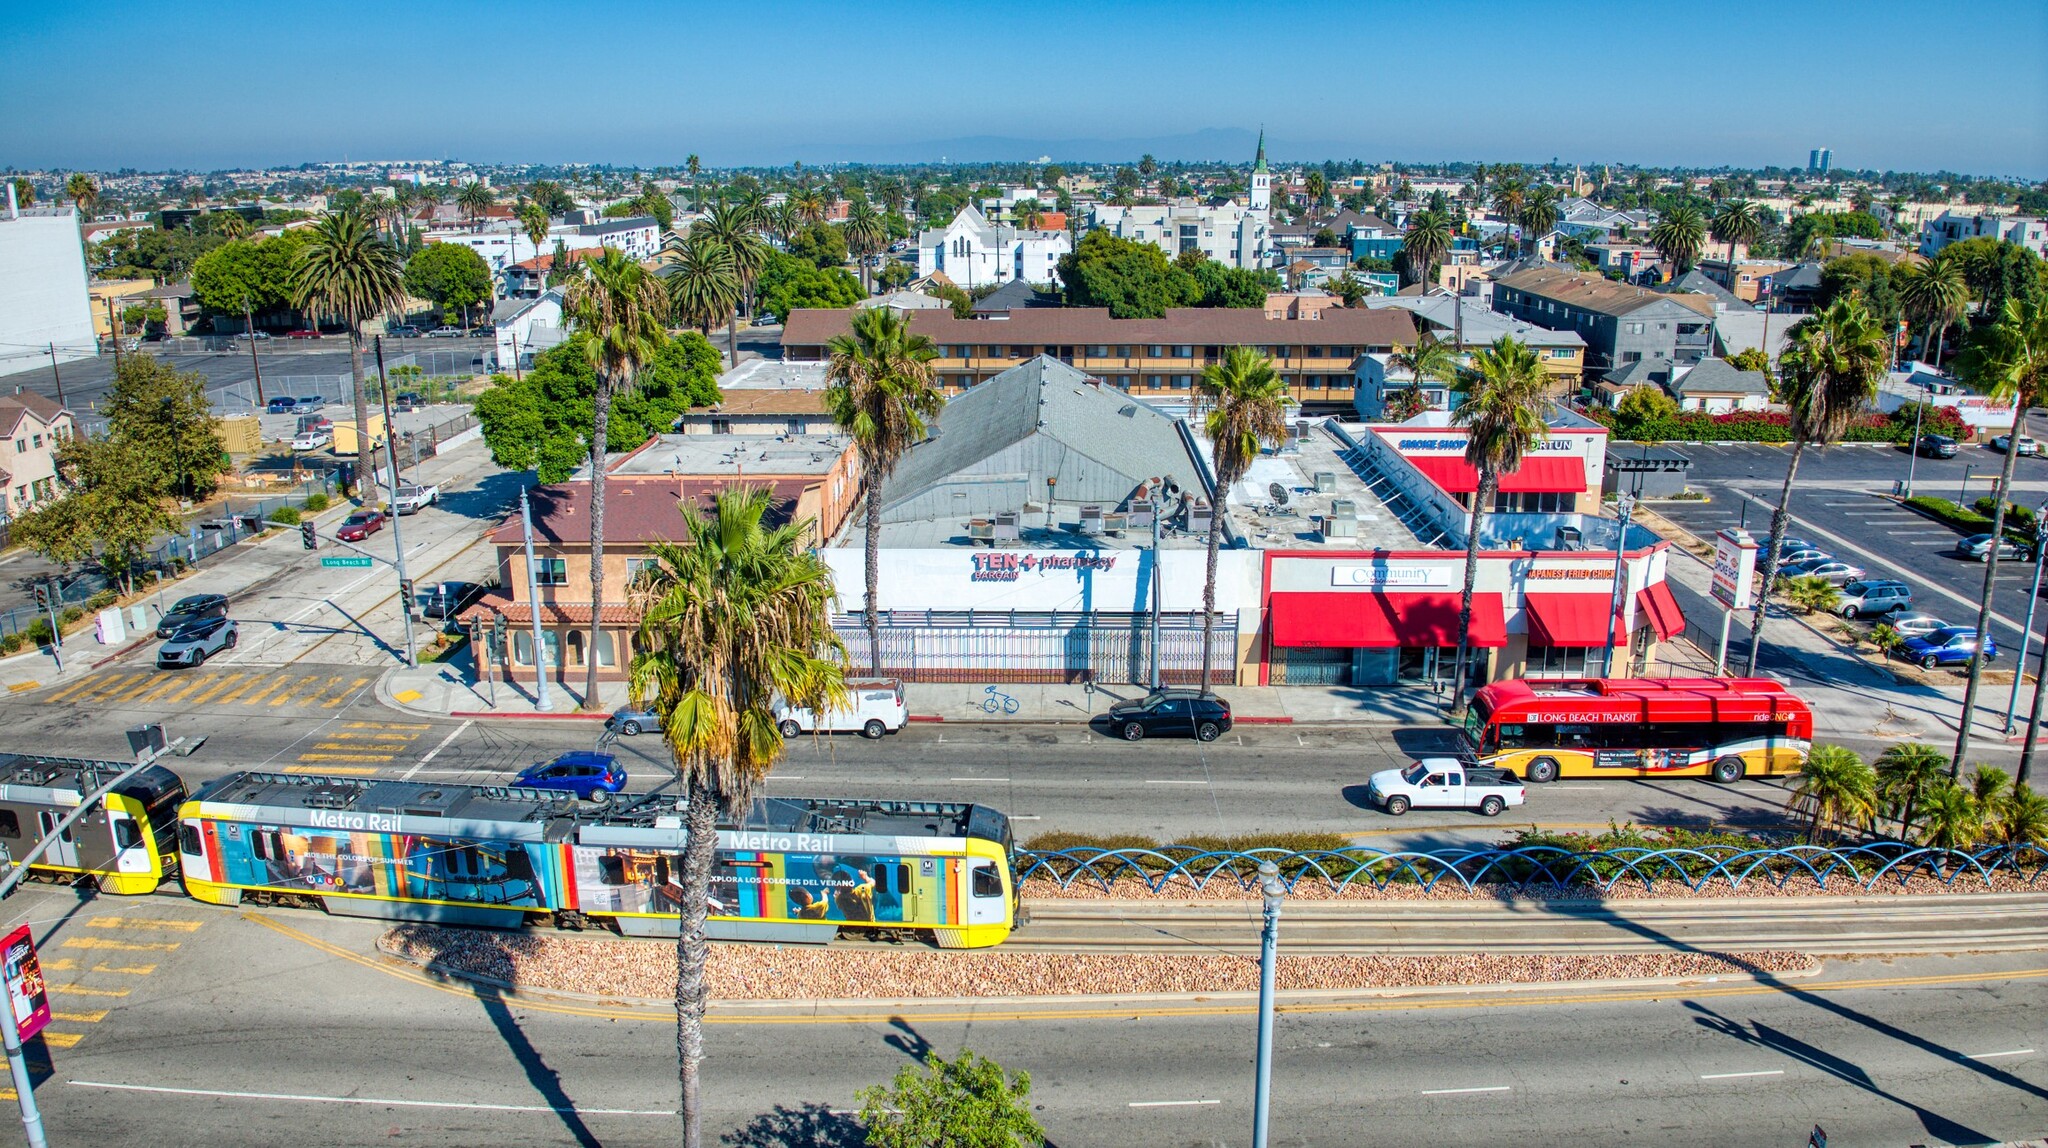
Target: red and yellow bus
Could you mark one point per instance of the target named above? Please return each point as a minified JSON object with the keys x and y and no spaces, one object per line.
{"x":1723,"y":728}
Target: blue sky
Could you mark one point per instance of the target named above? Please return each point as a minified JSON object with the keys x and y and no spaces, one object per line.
{"x":1961,"y":85}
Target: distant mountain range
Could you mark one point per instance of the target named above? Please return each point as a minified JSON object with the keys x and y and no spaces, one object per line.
{"x":1234,"y":145}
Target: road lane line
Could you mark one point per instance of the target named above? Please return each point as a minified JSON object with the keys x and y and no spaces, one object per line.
{"x":300,"y":1098}
{"x":1169,"y":1103}
{"x":977,"y":779}
{"x":1176,"y":781}
{"x":436,"y":751}
{"x":1462,"y":1091}
{"x":1991,"y":1055}
{"x":1740,"y":1075}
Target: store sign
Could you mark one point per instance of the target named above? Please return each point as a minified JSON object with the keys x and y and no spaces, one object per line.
{"x":1393,"y":577}
{"x":1559,"y":444}
{"x":1601,"y":573}
{"x":27,"y":994}
{"x":1002,"y":566}
{"x":1735,"y":569}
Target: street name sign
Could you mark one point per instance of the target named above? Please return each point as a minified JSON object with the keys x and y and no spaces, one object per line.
{"x":345,"y":561}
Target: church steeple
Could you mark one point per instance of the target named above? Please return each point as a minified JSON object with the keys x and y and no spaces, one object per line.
{"x":1259,"y":164}
{"x":1262,"y":180}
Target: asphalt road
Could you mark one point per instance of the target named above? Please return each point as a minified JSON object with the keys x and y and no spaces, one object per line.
{"x":182,"y":1024}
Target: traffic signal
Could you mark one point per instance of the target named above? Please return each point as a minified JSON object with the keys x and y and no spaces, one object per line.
{"x":308,"y":538}
{"x":42,"y":596}
{"x":405,"y":592}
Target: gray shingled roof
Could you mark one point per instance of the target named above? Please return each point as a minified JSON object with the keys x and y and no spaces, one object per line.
{"x":1718,"y":377}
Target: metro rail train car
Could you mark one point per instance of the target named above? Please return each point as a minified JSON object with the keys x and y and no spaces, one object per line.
{"x":127,"y":844}
{"x":793,"y":870}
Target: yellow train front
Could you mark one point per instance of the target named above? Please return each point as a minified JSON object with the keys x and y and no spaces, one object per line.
{"x":794,"y":870}
{"x":125,"y":844}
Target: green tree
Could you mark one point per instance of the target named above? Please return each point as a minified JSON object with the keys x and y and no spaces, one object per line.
{"x":1951,"y":818}
{"x":703,"y":284}
{"x":1134,"y":280}
{"x":1736,"y":221}
{"x":542,"y":421}
{"x":116,"y":506}
{"x":1429,"y":360}
{"x":1837,"y":790}
{"x":822,"y":244}
{"x":1244,"y":405}
{"x":452,"y":275}
{"x":789,"y":283}
{"x":551,"y":197}
{"x":881,"y":388}
{"x":1751,"y":359}
{"x":1997,"y":270}
{"x":2008,"y":361}
{"x":1502,"y":413}
{"x":164,"y":414}
{"x":964,"y":1103}
{"x":623,"y":309}
{"x":24,"y":191}
{"x":2017,"y":816}
{"x":737,"y":617}
{"x":867,"y":234}
{"x":82,"y":192}
{"x":1811,"y":595}
{"x":1348,"y":287}
{"x":1538,"y":215}
{"x":349,"y":272}
{"x":1427,"y":240}
{"x":1678,"y":237}
{"x":1224,"y":286}
{"x":1934,"y":293}
{"x":736,"y":225}
{"x":1830,"y":370}
{"x":474,"y":199}
{"x":534,"y":224}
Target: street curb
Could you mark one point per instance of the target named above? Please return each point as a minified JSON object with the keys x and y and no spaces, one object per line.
{"x":486,"y":715}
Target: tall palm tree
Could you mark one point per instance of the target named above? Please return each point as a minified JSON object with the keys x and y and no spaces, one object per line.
{"x":622,"y":308}
{"x":1829,"y":371}
{"x":738,"y":616}
{"x":1538,"y":214}
{"x":1904,"y":772}
{"x":1509,"y":193}
{"x":230,"y":225}
{"x":1678,"y":237}
{"x":1245,"y":405}
{"x":534,"y":224}
{"x":866,"y":235}
{"x":1315,"y":186}
{"x":83,"y":192}
{"x":893,"y":194}
{"x":810,"y":205}
{"x":703,"y":284}
{"x":1429,"y":359}
{"x":1836,"y":790}
{"x":2008,"y":361}
{"x":474,"y":199}
{"x":350,"y":273}
{"x":1502,"y":413}
{"x":880,"y":386}
{"x":1736,"y":222}
{"x":1934,"y":293}
{"x":736,"y":225}
{"x":1423,"y":247}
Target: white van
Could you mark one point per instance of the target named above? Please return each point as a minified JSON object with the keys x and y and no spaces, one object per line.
{"x":875,"y":708}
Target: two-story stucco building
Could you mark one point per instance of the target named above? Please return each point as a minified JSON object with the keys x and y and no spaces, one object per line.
{"x":1620,"y":323}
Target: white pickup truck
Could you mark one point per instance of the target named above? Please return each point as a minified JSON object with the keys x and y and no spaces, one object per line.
{"x":409,"y":499}
{"x":1444,"y":783}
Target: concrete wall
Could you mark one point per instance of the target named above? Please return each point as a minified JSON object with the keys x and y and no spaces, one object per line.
{"x":43,"y":297}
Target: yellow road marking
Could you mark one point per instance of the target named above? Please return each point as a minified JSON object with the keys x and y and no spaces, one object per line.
{"x":315,"y":693}
{"x":148,"y":682}
{"x":83,"y":991}
{"x":346,"y":751}
{"x":119,"y":946}
{"x":131,"y":970}
{"x":219,"y":683}
{"x":170,"y":682}
{"x":343,"y":696}
{"x":382,"y":724}
{"x":199,"y":681}
{"x":61,"y":1039}
{"x":94,"y":1017}
{"x":236,"y":693}
{"x":284,"y":696}
{"x":20,"y":687}
{"x":145,"y":923}
{"x":91,"y":681}
{"x":60,"y":965}
{"x":405,"y":696}
{"x":348,"y":770}
{"x":8,"y":1094}
{"x":374,"y":736}
{"x":259,"y":695}
{"x":110,"y":685}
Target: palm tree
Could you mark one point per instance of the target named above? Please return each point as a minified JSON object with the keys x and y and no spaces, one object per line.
{"x":738,"y":616}
{"x":1509,"y":193}
{"x":350,"y":273}
{"x":230,"y":225}
{"x":866,"y":235}
{"x":1538,"y":214}
{"x":1829,"y":371}
{"x":1952,"y":818}
{"x":1429,"y":359}
{"x":1502,"y":413}
{"x":1904,"y":771}
{"x":880,"y":386}
{"x":534,"y":224}
{"x":622,"y":309}
{"x":703,"y":284}
{"x":1836,"y":789}
{"x":1315,"y":186}
{"x":83,"y":192}
{"x":1423,"y":247}
{"x":1736,"y":221}
{"x":2008,"y":361}
{"x":474,"y":199}
{"x":734,"y":226}
{"x":1936,"y":294}
{"x":1245,"y":405}
{"x":1678,"y":238}
{"x":2019,"y":816}
{"x":809,"y":205}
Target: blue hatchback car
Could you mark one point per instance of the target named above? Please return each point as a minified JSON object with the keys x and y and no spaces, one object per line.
{"x":581,"y":772}
{"x":1949,"y":646}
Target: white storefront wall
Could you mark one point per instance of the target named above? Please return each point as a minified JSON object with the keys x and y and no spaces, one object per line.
{"x":1035,"y":580}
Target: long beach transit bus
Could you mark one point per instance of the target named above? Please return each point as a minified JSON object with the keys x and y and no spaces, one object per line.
{"x":1723,"y":728}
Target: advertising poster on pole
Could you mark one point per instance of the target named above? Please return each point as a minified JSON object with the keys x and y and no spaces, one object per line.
{"x":26,"y":991}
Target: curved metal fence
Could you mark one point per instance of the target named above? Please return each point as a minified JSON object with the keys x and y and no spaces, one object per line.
{"x":1543,"y":867}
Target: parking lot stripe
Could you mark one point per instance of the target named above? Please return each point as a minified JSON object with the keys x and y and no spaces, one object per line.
{"x":61,"y":1039}
{"x":220,"y":683}
{"x":108,"y":943}
{"x":166,"y":924}
{"x":85,"y":991}
{"x":93,"y":1017}
{"x":130,"y":970}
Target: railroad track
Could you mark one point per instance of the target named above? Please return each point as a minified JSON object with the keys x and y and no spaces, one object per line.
{"x":1904,"y":924}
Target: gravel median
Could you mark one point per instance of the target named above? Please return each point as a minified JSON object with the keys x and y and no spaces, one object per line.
{"x":1224,"y":887}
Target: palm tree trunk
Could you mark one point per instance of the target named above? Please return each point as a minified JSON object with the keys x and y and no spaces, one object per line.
{"x":366,"y":454}
{"x":693,"y":950}
{"x":872,"y":545}
{"x":732,"y":337}
{"x":1780,"y":518}
{"x":1481,"y":499}
{"x":600,"y":424}
{"x":1906,"y":815}
{"x":1998,"y":497}
{"x":1208,"y":588}
{"x":1940,"y":333}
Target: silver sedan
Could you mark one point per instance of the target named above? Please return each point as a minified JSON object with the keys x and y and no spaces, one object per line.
{"x":193,"y":644}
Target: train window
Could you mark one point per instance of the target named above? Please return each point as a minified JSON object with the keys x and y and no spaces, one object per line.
{"x":188,"y":840}
{"x":126,"y":835}
{"x":10,"y":826}
{"x":611,"y":869}
{"x":259,"y":844}
{"x":986,"y":882}
{"x":881,"y":876}
{"x":903,"y":878}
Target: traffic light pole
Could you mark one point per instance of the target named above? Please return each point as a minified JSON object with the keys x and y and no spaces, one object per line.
{"x":397,"y":536}
{"x":49,"y":596}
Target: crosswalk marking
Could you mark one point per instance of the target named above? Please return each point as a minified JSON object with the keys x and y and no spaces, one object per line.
{"x":269,"y":687}
{"x":236,"y":693}
{"x":374,"y":736}
{"x":337,"y":699}
{"x":198,"y":680}
{"x":217,"y":687}
{"x":170,"y":682}
{"x":145,"y":683}
{"x":348,"y":770}
{"x":284,"y":696}
{"x":130,"y":970}
{"x":164,"y":923}
{"x":82,"y":990}
{"x":197,"y":687}
{"x":119,"y":946}
{"x":92,"y":1017}
{"x":61,"y":1039}
{"x":385,"y":725}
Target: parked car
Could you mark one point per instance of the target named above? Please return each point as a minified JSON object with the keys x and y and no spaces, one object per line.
{"x":314,"y":402}
{"x":1935,"y":446}
{"x":315,"y":423}
{"x":1187,"y":713}
{"x":1829,"y":570}
{"x":447,"y":599}
{"x":255,"y":336}
{"x":409,"y":499}
{"x":1978,"y":546}
{"x":1803,"y":554}
{"x":1792,"y":544}
{"x":764,"y":319}
{"x":1444,"y":783}
{"x":632,"y":721}
{"x":445,"y":333}
{"x":1874,"y":597}
{"x":1915,"y":624}
{"x":874,"y":707}
{"x":2027,"y":445}
{"x":312,"y":440}
{"x":302,"y":333}
{"x":186,"y":611}
{"x":360,"y":525}
{"x":405,"y":331}
{"x":281,"y":405}
{"x":1950,"y":646}
{"x":580,"y":771}
{"x":193,"y":644}
{"x":410,"y":401}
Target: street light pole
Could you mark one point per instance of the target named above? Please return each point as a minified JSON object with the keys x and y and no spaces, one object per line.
{"x":1913,"y":451}
{"x":540,"y":673}
{"x":1272,"y":891}
{"x":1626,"y":504}
{"x":1157,"y":582}
{"x":2019,"y":664}
{"x":397,"y":532}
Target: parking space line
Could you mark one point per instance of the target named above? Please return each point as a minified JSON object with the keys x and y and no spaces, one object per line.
{"x":61,"y":1039}
{"x":84,"y":991}
{"x":128,"y":970}
{"x":112,"y":945}
{"x":1740,"y":1075}
{"x":93,"y":1017}
{"x":165,"y":924}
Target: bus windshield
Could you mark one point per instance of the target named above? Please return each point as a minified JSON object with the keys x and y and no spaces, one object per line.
{"x":1475,"y":728}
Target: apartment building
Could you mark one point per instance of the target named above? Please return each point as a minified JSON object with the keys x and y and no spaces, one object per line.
{"x":1620,"y":323}
{"x":31,"y":429}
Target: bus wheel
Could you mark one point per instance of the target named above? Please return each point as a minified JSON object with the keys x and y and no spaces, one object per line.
{"x":1730,"y":769}
{"x":1542,"y":771}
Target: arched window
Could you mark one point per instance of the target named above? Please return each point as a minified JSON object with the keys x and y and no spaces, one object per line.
{"x":575,"y":647}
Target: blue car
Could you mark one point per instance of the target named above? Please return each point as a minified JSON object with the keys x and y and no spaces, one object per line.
{"x":580,"y":772}
{"x":1948,"y":646}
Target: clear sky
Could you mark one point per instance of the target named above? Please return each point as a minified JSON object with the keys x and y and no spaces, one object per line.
{"x":1959,"y":85}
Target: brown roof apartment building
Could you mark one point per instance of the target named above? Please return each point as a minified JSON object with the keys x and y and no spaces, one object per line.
{"x":32,"y":426}
{"x":1621,"y":323}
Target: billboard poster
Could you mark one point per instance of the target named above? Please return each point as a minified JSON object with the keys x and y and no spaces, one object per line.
{"x":27,"y":994}
{"x":1735,"y":569}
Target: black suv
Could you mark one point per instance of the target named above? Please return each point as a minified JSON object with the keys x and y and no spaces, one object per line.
{"x":186,"y":611}
{"x":1181,"y":713}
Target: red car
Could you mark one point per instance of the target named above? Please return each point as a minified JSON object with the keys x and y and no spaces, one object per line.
{"x":302,"y":333}
{"x":361,"y":525}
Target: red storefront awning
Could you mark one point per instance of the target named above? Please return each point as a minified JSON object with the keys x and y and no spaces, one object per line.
{"x":1656,"y":601}
{"x":1573,"y":620}
{"x":1539,"y":474}
{"x":1337,"y":620}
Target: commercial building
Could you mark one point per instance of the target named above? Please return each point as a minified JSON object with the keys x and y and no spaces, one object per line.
{"x":973,"y":252}
{"x":502,"y":242}
{"x":44,"y":310}
{"x":761,"y":411}
{"x":1620,"y":323}
{"x":1819,"y":160}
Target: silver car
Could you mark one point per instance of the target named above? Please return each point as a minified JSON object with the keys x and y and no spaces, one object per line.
{"x":1828,"y":570}
{"x":193,"y":644}
{"x":1915,"y":624}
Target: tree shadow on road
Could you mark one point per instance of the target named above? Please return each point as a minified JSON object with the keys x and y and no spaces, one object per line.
{"x":804,"y":1126}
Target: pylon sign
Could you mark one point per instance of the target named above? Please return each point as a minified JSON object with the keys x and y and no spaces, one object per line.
{"x":27,"y":993}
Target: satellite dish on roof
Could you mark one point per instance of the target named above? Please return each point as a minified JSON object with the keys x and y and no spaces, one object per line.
{"x":1278,"y":492}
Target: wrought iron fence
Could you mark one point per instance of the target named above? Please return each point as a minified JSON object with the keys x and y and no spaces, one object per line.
{"x":1539,"y":866}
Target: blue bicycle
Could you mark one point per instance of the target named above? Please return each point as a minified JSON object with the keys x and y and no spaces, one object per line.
{"x":998,"y":700}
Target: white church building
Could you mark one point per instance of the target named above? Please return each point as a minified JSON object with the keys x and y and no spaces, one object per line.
{"x":1235,"y":232}
{"x":974,"y":252}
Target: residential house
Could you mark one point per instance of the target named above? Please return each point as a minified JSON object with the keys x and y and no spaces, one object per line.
{"x":904,"y":300}
{"x":1301,"y":304}
{"x":1468,"y":326}
{"x":1747,"y":279}
{"x":1955,"y":226}
{"x":1228,"y":232}
{"x":973,"y":252}
{"x":1016,"y":295}
{"x":1717,"y":388}
{"x":502,"y":242}
{"x":1632,"y":261}
{"x":1620,"y":323}
{"x":526,"y":327}
{"x":31,"y":428}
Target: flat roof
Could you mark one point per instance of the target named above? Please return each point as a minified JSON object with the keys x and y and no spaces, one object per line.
{"x":739,"y":455}
{"x":1267,"y":525}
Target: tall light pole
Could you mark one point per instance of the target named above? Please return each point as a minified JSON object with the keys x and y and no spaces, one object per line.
{"x":1157,"y":582}
{"x":2019,"y":664}
{"x":540,"y":673}
{"x":1913,"y":451}
{"x":1272,"y":891}
{"x":1626,"y":504}
{"x":397,"y":532}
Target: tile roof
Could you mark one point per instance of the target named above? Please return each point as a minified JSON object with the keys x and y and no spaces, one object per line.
{"x":497,"y":601}
{"x":1591,"y":292}
{"x":637,"y":510}
{"x":1070,"y":325}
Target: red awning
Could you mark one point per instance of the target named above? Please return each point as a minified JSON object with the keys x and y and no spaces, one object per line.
{"x":1337,"y":620}
{"x":1656,"y":601}
{"x":1540,"y":474}
{"x":1572,"y":620}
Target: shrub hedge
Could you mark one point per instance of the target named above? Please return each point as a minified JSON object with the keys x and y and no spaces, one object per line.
{"x":1773,"y":426}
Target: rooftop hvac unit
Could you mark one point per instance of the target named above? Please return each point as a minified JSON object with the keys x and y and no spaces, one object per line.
{"x":1140,"y":514}
{"x":1335,"y":527}
{"x":1568,"y":538}
{"x":1005,"y":528}
{"x":1200,"y":519}
{"x":981,"y":530}
{"x":1326,"y":481}
{"x":1343,"y":508}
{"x":1116,"y":522}
{"x":1091,"y":520}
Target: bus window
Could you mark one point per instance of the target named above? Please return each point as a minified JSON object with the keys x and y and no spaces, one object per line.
{"x":10,"y":826}
{"x":986,"y":881}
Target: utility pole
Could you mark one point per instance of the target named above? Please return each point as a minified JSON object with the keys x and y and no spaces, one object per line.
{"x":1157,"y":582}
{"x":1626,"y":504}
{"x":249,"y":333}
{"x":1913,"y":454}
{"x":57,"y":376}
{"x":114,"y":329}
{"x":397,"y":533}
{"x":1272,"y":892}
{"x":2019,"y":664}
{"x":540,"y":671}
